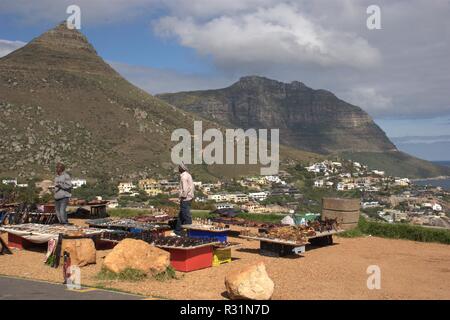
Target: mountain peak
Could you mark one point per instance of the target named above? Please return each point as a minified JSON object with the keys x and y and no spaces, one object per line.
{"x":253,"y":80}
{"x":59,"y":48}
{"x":63,"y":38}
{"x":59,"y":101}
{"x":298,"y":84}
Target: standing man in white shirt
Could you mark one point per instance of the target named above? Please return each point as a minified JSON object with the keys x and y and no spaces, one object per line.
{"x":186,"y":195}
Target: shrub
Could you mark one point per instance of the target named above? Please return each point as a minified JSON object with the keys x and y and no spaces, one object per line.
{"x":126,"y":275}
{"x":399,"y":231}
{"x":166,"y":275}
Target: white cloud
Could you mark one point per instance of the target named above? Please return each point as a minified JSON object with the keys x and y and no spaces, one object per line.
{"x":323,"y":43}
{"x":7,"y":46}
{"x":279,"y":35}
{"x":155,"y":80}
{"x":370,"y":98}
{"x":205,"y":9}
{"x":92,"y":11}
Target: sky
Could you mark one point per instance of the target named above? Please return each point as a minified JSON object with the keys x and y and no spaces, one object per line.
{"x":399,"y":74}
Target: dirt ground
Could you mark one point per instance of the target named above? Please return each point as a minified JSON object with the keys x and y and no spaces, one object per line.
{"x":409,"y":270}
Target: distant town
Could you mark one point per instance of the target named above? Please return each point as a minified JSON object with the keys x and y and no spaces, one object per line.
{"x":298,"y":189}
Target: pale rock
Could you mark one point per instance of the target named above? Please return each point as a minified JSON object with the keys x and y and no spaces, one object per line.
{"x":137,"y":254}
{"x":250,"y":283}
{"x":82,"y":251}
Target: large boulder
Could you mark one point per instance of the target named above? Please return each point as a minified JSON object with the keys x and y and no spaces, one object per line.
{"x":250,"y":283}
{"x":137,"y":254}
{"x":82,"y":251}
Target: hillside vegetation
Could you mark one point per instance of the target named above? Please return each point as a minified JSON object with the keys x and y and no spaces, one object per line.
{"x":396,"y":163}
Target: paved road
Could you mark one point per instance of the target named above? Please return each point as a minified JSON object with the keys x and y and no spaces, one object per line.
{"x":18,"y":289}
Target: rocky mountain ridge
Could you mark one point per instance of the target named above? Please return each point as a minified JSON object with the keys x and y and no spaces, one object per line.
{"x":312,"y":120}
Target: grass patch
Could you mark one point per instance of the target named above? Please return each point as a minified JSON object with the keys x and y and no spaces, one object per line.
{"x":123,"y":213}
{"x":397,"y":164}
{"x":134,"y":275}
{"x":398,"y":231}
{"x":272,"y":218}
{"x":354,"y":233}
{"x":166,"y":275}
{"x":126,"y":275}
{"x":200,"y":214}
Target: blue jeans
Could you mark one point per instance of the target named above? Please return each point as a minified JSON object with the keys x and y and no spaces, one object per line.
{"x":60,"y":209}
{"x":184,"y":216}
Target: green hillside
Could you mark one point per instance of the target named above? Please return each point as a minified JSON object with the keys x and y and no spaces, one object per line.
{"x":397,"y":163}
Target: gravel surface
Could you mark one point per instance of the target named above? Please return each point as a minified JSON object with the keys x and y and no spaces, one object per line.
{"x":409,"y":270}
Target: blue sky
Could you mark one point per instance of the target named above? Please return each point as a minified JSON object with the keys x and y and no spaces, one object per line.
{"x":132,"y":42}
{"x":399,"y":74}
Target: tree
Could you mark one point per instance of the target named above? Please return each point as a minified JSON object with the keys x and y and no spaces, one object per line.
{"x":29,"y":195}
{"x":89,"y":191}
{"x":12,"y":193}
{"x":7,"y":192}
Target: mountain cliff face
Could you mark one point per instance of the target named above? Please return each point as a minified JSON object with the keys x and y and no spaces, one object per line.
{"x":59,"y":101}
{"x":313,"y":120}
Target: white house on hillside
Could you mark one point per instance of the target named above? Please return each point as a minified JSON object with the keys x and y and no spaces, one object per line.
{"x":76,"y":183}
{"x":10,"y":181}
{"x":126,"y":187}
{"x":318,"y":183}
{"x":224,"y":206}
{"x":260,"y":196}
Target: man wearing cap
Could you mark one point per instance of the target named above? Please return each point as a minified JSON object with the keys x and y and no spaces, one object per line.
{"x":186,"y":196}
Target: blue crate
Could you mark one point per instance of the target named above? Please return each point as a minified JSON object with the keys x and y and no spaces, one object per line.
{"x":136,"y":230}
{"x":2,"y":216}
{"x":205,"y":234}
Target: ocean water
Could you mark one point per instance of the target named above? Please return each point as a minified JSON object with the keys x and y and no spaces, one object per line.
{"x":444,"y":183}
{"x":442,"y":163}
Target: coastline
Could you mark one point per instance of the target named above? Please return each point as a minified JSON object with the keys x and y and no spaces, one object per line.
{"x":431,"y":179}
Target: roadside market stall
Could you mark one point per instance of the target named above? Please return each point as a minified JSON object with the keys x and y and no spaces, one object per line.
{"x":128,"y":224}
{"x":287,"y":240}
{"x":22,"y":236}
